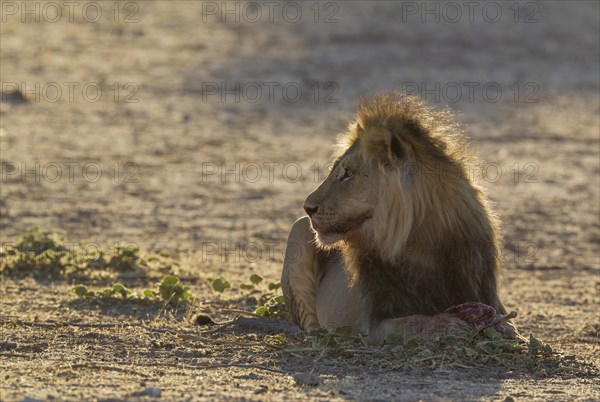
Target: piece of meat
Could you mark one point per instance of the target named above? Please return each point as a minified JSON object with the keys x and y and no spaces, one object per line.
{"x":475,"y":313}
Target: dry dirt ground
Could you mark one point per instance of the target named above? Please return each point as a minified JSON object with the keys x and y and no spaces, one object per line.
{"x":148,"y":141}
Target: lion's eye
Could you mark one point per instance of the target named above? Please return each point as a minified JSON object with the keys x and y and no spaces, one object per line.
{"x":346,"y":174}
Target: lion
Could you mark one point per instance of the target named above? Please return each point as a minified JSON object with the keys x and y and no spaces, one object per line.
{"x":398,"y":233}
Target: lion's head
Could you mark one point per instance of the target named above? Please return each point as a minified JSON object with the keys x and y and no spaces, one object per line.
{"x":344,"y":203}
{"x":400,"y":175}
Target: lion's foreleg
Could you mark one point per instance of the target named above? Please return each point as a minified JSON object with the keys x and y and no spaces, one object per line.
{"x":416,"y":327}
{"x":300,"y":275}
{"x":457,"y":320}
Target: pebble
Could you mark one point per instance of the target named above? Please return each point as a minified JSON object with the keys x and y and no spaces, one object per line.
{"x":307,"y":379}
{"x":152,"y":391}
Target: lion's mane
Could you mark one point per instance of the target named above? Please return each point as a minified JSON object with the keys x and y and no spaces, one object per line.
{"x":433,"y":242}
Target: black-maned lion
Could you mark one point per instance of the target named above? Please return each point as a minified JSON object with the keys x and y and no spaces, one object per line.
{"x":398,"y":232}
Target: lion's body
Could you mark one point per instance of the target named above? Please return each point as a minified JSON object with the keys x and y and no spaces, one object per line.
{"x":399,"y":228}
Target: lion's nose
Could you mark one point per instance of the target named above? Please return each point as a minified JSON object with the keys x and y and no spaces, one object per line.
{"x":310,"y":210}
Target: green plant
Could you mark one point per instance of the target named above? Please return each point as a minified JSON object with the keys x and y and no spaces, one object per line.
{"x":273,"y":305}
{"x":115,"y":291}
{"x":539,"y":348}
{"x":273,"y":308}
{"x":37,"y":241}
{"x":254,"y":281}
{"x":38,"y":251}
{"x":492,"y":343}
{"x":220,"y":285}
{"x":46,"y":253}
{"x":170,"y":290}
{"x":125,"y":258}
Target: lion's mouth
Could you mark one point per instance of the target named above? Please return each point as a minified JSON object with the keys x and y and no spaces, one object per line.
{"x":325,"y":237}
{"x":335,"y":233}
{"x":314,"y":224}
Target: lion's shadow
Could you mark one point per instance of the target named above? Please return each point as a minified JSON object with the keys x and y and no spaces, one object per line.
{"x":364,"y":373}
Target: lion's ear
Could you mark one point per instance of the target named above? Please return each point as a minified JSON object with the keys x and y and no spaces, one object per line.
{"x":395,"y":148}
{"x":383,"y":145}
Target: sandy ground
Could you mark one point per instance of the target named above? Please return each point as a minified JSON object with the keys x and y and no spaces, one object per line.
{"x":163,"y":126}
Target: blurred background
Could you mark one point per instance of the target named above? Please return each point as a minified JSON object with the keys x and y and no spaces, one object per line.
{"x":195,"y":129}
{"x":174,"y":124}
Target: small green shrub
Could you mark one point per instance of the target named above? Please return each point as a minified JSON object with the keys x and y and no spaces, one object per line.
{"x":42,"y":252}
{"x":170,"y":290}
{"x":115,"y":291}
{"x":539,"y":348}
{"x":125,"y":258}
{"x":46,"y":253}
{"x":273,"y":308}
